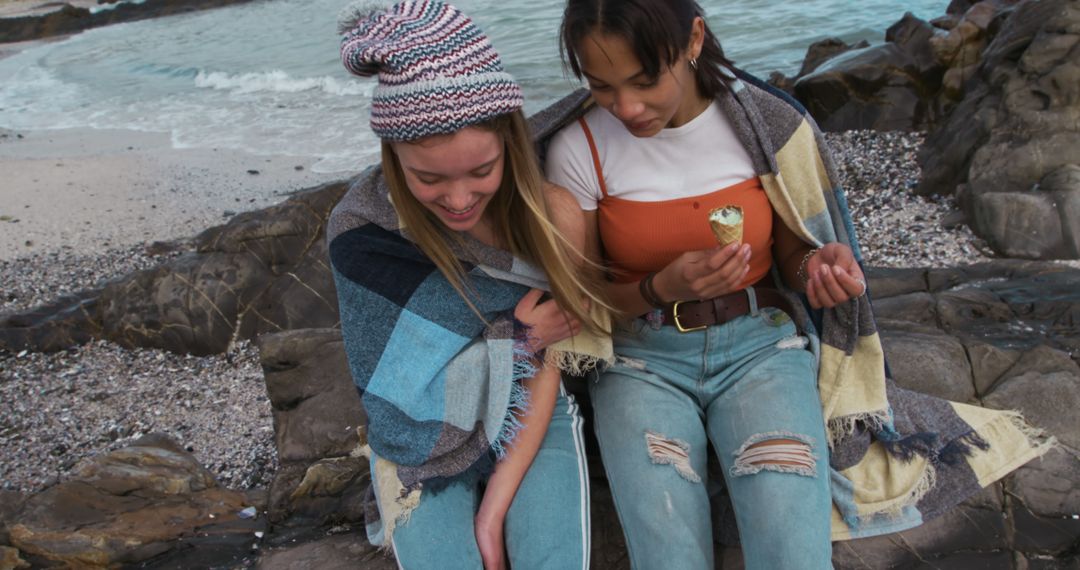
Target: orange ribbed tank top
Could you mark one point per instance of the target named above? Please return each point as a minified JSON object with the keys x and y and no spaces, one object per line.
{"x":640,"y":237}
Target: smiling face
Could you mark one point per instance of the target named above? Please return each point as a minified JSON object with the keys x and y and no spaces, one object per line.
{"x":643,"y":104}
{"x":454,"y":176}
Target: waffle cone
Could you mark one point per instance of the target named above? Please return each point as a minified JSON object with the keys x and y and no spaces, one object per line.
{"x":727,"y":224}
{"x":726,"y":233}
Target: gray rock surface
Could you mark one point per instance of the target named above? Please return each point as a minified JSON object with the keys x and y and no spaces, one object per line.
{"x":876,"y":88}
{"x":1008,"y":148}
{"x":230,"y":288}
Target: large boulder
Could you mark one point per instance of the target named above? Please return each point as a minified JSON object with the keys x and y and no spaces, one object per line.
{"x":233,"y":286}
{"x":318,"y":423}
{"x":1008,"y":149}
{"x":910,"y":82}
{"x":130,"y":506}
{"x":893,"y":86}
{"x":870,"y":88}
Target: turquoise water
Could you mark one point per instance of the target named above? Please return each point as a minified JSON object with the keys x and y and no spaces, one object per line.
{"x":265,"y":77}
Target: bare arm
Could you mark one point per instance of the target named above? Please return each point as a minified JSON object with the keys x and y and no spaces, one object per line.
{"x":504,"y":483}
{"x":543,"y":390}
{"x":788,"y":253}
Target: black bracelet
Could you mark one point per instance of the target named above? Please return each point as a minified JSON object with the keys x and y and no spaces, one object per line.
{"x":645,"y":287}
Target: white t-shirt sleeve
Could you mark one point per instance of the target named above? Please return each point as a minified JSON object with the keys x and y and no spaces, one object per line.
{"x":569,"y":164}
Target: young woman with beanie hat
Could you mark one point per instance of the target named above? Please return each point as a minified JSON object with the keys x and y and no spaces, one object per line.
{"x":463,"y":294}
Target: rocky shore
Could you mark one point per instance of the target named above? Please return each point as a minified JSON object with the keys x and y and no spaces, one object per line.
{"x":109,"y":424}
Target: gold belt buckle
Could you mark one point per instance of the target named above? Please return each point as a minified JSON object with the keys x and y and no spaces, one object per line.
{"x":678,"y":325}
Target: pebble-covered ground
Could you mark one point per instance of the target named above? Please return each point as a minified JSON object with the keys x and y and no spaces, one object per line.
{"x":57,"y":409}
{"x":897,"y":228}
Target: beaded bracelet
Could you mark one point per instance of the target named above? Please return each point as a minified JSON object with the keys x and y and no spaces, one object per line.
{"x":800,"y":274}
{"x":645,"y":287}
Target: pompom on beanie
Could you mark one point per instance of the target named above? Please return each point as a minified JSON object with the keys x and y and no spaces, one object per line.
{"x":437,"y":71}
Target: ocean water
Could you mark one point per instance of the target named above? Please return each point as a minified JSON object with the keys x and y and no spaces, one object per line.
{"x":265,"y":77}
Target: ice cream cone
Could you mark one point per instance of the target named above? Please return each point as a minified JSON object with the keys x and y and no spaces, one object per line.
{"x":727,"y":224}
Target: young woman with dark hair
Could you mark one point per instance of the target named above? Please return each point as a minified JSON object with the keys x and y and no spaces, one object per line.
{"x":765,"y":347}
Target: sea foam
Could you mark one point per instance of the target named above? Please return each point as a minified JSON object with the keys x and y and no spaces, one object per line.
{"x":278,"y":81}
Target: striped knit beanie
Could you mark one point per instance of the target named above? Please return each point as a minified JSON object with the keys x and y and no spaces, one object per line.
{"x":437,"y":71}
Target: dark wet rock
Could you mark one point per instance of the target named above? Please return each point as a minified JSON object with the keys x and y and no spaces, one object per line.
{"x":234,"y":286}
{"x":1055,"y":407}
{"x":1007,"y":150}
{"x":913,"y":36}
{"x":130,"y":506}
{"x":70,"y":19}
{"x":315,"y":415}
{"x":976,"y":525}
{"x":892,"y":86}
{"x":819,"y":52}
{"x":871,"y":88}
{"x":10,"y":504}
{"x":912,"y":307}
{"x":10,"y":559}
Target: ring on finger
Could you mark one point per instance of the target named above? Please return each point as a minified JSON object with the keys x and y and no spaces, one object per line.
{"x":863,"y":283}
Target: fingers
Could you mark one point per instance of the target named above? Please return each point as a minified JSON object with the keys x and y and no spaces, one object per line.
{"x":723,"y":272}
{"x":730,"y":254}
{"x":812,"y":295}
{"x":531,"y":298}
{"x":831,"y":285}
{"x":833,"y":289}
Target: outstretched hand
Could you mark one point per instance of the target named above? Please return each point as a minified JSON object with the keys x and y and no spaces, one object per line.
{"x":548,"y":323}
{"x":833,"y":276}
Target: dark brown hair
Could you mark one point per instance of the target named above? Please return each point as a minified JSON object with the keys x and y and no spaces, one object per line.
{"x":658,"y":31}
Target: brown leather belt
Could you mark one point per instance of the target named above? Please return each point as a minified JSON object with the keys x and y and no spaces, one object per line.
{"x":696,"y":315}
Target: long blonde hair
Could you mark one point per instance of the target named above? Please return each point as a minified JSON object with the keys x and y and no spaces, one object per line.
{"x":521,"y":222}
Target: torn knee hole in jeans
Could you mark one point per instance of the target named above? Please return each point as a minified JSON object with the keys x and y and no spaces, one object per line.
{"x":776,"y":451}
{"x":674,"y":452}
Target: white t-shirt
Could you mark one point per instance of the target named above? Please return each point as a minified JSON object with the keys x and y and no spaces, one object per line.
{"x":700,"y":157}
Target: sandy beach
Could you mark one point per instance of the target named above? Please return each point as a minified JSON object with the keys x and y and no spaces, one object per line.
{"x":87,"y":190}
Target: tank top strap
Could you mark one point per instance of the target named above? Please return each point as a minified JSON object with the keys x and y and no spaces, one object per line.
{"x":595,"y":156}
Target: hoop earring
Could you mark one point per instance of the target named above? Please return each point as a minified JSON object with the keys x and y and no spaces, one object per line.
{"x":693,"y":63}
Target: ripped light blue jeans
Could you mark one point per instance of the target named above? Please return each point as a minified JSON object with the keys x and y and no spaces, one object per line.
{"x":749,"y":386}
